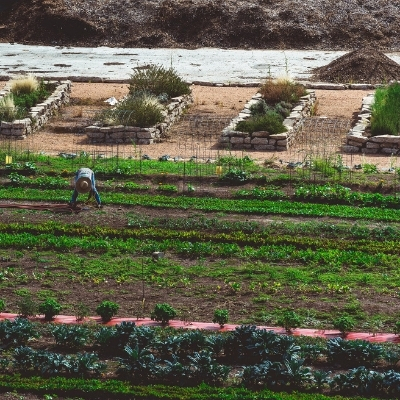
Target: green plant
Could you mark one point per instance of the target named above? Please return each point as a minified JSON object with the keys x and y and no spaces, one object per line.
{"x":50,"y":308}
{"x":163,"y":313}
{"x":73,"y":336}
{"x":8,"y":110}
{"x":17,"y":332}
{"x":107,"y":309}
{"x":158,"y":80}
{"x":236,"y":176}
{"x":27,"y":307}
{"x":140,"y":109}
{"x":220,"y":317}
{"x":385,"y":119}
{"x":270,"y":122}
{"x":289,"y":319}
{"x":2,"y":305}
{"x":81,"y":311}
{"x":344,"y":323}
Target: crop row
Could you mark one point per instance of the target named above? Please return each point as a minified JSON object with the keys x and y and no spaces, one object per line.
{"x":215,"y":205}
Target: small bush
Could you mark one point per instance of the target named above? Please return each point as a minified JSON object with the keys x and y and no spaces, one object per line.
{"x":163,"y":313}
{"x":140,"y":109}
{"x":50,"y":308}
{"x":289,"y":320}
{"x":275,"y":91}
{"x":27,"y":307}
{"x":24,"y":85}
{"x":385,"y":118}
{"x":107,"y":309}
{"x":344,"y":323}
{"x":220,"y":317}
{"x":158,"y":81}
{"x":271,"y":122}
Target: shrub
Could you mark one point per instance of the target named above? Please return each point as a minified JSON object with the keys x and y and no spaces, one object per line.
{"x":158,"y":81}
{"x":50,"y":308}
{"x":24,"y":85}
{"x":289,"y":319}
{"x":275,"y":91}
{"x":139,"y":109}
{"x":163,"y":313}
{"x":27,"y":307}
{"x":385,"y":119}
{"x":107,"y":309}
{"x":270,"y":122}
{"x":81,"y":311}
{"x":344,"y":323}
{"x":220,"y":317}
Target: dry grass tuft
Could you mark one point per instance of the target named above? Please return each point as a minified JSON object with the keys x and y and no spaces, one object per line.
{"x":24,"y":85}
{"x":283,"y":89}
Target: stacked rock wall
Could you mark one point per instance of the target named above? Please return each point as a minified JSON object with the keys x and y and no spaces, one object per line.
{"x":263,"y":140}
{"x":359,"y":141}
{"x":38,"y":115}
{"x":132,"y":134}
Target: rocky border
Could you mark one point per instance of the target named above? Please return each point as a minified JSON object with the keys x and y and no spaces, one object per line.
{"x":263,"y":140}
{"x":38,"y":115}
{"x":358,"y":141}
{"x":97,"y":133}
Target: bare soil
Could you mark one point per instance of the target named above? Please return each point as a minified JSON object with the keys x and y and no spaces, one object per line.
{"x":263,"y":24}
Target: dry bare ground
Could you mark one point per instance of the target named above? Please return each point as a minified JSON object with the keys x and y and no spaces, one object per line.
{"x":64,"y":134}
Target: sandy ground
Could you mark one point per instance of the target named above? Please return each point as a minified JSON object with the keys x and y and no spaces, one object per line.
{"x":209,"y":102}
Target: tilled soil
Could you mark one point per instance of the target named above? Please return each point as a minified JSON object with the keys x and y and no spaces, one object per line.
{"x":263,"y":24}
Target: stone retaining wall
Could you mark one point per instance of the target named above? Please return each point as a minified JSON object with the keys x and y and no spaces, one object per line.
{"x":38,"y":115}
{"x":359,"y":140}
{"x":132,"y":134}
{"x":263,"y":140}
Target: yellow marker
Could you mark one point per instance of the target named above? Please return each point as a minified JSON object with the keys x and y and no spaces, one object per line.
{"x":8,"y":159}
{"x":218,"y":170}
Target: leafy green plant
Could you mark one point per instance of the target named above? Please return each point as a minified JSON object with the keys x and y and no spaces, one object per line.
{"x":385,"y":119}
{"x":17,"y":332}
{"x":81,"y":311}
{"x":164,"y":187}
{"x":344,"y":323}
{"x":158,"y":80}
{"x":289,"y":319}
{"x":236,"y":176}
{"x":107,"y":309}
{"x":27,"y":307}
{"x":270,"y":122}
{"x":140,"y":109}
{"x":73,"y":336}
{"x":163,"y":313}
{"x":50,"y":308}
{"x":220,"y":317}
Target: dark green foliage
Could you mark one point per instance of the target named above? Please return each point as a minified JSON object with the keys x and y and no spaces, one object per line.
{"x":259,"y":108}
{"x":50,"y":308}
{"x":159,"y":81}
{"x":17,"y":332}
{"x":27,"y":307}
{"x":2,"y":305}
{"x":28,"y":100}
{"x":350,"y":353}
{"x":385,"y":118}
{"x":163,"y":313}
{"x":261,"y":193}
{"x":344,"y":323}
{"x":270,"y":122}
{"x":220,"y":317}
{"x":289,"y":319}
{"x":236,"y":176}
{"x":107,"y":309}
{"x":73,"y":336}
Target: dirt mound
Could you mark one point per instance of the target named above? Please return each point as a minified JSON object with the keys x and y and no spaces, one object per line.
{"x":359,"y":66}
{"x":262,"y":24}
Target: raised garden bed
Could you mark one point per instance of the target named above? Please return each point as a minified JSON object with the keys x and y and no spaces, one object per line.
{"x":359,"y":139}
{"x":98,"y":133}
{"x":263,"y":140}
{"x":38,"y":115}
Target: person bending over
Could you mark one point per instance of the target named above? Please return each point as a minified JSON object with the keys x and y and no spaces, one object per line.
{"x":84,"y":182}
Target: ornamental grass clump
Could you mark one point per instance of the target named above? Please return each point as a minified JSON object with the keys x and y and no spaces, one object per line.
{"x":140,"y":109}
{"x":8,"y":111}
{"x":385,"y":116}
{"x":24,"y":85}
{"x":275,"y":91}
{"x":159,"y":81}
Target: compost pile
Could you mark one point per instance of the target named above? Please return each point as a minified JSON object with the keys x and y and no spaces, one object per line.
{"x":359,"y":66}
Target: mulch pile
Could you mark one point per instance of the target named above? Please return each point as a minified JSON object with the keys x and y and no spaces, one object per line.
{"x":359,"y":66}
